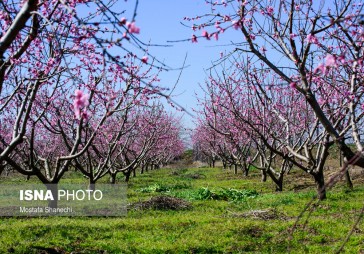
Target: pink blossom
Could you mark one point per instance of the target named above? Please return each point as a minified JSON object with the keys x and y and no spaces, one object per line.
{"x":216,"y":36}
{"x":81,"y":101}
{"x":263,"y":49}
{"x":205,"y":34}
{"x":132,"y":28}
{"x":341,"y":59}
{"x":321,"y":101}
{"x":311,"y":39}
{"x":227,"y":18}
{"x":51,"y":61}
{"x":123,"y":21}
{"x":270,"y":10}
{"x":330,"y":60}
{"x":293,"y":85}
{"x":320,"y":68}
{"x":194,"y":39}
{"x":125,"y":35}
{"x":252,"y":36}
{"x":145,"y":59}
{"x":77,"y":104}
{"x":85,"y":100}
{"x":78,"y":94}
{"x":293,"y":35}
{"x":85,"y":115}
{"x":236,"y":24}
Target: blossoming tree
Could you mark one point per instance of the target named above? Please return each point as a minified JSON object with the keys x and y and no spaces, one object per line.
{"x":311,"y":47}
{"x":69,"y":71}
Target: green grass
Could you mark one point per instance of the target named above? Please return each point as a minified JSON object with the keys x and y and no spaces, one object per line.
{"x":218,"y":221}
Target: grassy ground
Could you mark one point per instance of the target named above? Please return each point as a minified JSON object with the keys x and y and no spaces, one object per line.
{"x":251,"y":218}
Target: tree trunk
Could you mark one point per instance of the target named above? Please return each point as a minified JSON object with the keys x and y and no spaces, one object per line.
{"x":351,"y":156}
{"x":277,"y":180}
{"x":127,"y":176}
{"x":54,"y":189}
{"x":2,"y":167}
{"x":264,"y":176}
{"x":320,"y":185}
{"x":235,"y":169}
{"x":91,"y":184}
{"x":246,"y":170}
{"x":349,"y":183}
{"x":112,"y":178}
{"x":279,"y":185}
{"x":134,"y":173}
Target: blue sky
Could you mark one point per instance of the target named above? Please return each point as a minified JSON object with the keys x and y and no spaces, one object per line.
{"x":159,"y":22}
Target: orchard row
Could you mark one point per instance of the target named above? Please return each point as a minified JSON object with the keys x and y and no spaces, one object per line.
{"x":291,"y":88}
{"x":78,"y":92}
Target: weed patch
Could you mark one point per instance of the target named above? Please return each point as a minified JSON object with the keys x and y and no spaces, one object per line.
{"x":163,"y":203}
{"x":195,"y":176}
{"x":157,"y":187}
{"x":178,"y":172}
{"x":265,"y":214}
{"x":221,"y":194}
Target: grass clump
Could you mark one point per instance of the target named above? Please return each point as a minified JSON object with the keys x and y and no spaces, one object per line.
{"x":194,"y":176}
{"x":227,"y":194}
{"x":158,"y":187}
{"x":163,"y":203}
{"x":178,"y":171}
{"x":264,"y":214}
